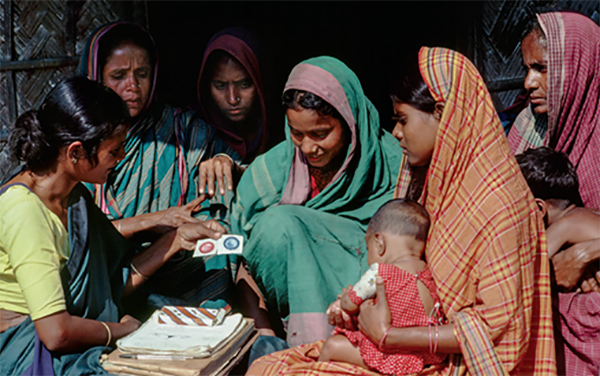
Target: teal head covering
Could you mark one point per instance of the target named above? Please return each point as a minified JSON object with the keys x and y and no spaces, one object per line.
{"x":367,"y":176}
{"x":301,"y":251}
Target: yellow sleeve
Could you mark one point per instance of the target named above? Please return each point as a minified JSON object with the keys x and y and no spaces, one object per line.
{"x":31,"y":239}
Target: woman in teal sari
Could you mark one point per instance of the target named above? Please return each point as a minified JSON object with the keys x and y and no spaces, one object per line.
{"x":304,"y":206}
{"x":155,"y":187}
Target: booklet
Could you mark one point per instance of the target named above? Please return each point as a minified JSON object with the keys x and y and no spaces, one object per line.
{"x":194,"y":341}
{"x":219,"y":363}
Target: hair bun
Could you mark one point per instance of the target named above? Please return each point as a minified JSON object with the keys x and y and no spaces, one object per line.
{"x":28,"y":142}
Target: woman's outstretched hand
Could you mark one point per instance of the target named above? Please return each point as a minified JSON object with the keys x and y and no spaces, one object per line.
{"x":221,"y":169}
{"x":375,"y":318}
{"x":176,"y":216}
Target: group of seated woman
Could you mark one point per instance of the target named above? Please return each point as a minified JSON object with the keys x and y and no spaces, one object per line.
{"x":156,"y":179}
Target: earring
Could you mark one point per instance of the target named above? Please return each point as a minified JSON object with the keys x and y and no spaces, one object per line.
{"x":239,"y":99}
{"x":74,"y":160}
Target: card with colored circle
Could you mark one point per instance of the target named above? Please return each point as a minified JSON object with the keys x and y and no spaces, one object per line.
{"x":226,"y":245}
{"x":230,"y":245}
{"x":206,"y":247}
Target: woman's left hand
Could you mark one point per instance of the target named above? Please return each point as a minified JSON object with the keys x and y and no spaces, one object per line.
{"x":374,"y":319}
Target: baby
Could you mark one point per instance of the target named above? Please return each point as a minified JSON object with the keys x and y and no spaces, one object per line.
{"x":554,"y":184}
{"x":395,"y":239}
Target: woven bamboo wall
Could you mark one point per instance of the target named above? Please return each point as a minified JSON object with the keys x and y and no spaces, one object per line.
{"x":40,"y":42}
{"x":499,"y":42}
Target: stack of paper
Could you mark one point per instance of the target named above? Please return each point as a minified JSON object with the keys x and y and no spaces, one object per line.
{"x":178,"y":350}
{"x":185,"y":340}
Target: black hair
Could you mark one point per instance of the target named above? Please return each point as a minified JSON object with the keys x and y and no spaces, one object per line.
{"x":534,"y":28}
{"x":402,"y":217}
{"x":121,"y":34}
{"x":299,"y":99}
{"x":76,"y":109}
{"x":550,"y":176}
{"x":411,"y":89}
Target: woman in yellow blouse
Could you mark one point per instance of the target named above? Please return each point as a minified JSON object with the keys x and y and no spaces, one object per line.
{"x":63,"y":265}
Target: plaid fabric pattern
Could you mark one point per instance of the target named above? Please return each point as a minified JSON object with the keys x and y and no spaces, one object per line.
{"x":486,"y":248}
{"x":480,"y":360}
{"x":302,"y":361}
{"x":573,"y":121}
{"x":579,"y":317}
{"x":403,"y":179}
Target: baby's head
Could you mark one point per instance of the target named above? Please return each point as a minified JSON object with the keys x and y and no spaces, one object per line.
{"x":399,"y":227}
{"x":552,"y":179}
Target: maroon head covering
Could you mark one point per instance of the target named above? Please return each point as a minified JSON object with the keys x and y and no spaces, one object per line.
{"x":573,"y":100}
{"x":240,"y":44}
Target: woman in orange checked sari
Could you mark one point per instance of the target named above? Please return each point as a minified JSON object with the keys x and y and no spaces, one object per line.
{"x":486,"y":247}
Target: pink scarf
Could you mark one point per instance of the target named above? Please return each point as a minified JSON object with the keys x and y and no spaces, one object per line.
{"x":573,"y":100}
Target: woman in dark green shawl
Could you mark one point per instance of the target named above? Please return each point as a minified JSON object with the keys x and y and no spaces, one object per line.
{"x":305,"y":205}
{"x":155,"y":188}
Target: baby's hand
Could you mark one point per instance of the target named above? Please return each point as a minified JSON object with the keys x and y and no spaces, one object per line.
{"x":337,"y":317}
{"x":346,"y":303}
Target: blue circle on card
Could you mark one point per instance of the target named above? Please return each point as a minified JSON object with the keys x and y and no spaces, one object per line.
{"x":231,"y":243}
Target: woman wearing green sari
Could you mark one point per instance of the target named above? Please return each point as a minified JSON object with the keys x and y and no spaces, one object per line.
{"x":155,"y":187}
{"x":304,"y":206}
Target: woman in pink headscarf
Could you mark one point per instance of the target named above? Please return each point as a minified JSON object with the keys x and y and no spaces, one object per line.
{"x":562,"y":55}
{"x":561,"y":51}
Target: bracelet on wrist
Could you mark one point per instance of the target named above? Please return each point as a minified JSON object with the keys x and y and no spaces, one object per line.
{"x":382,"y":341}
{"x":109,"y":333}
{"x":137,"y":272}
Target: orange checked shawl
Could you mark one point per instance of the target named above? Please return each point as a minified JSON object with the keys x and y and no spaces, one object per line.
{"x":486,"y":247}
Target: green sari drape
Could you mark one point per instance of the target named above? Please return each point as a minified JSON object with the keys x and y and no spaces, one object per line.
{"x":302,"y":255}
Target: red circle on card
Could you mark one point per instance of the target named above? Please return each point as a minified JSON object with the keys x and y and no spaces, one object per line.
{"x":207,"y":247}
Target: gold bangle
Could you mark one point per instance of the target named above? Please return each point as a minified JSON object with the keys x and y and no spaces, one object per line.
{"x":137,"y":272}
{"x":109,"y":333}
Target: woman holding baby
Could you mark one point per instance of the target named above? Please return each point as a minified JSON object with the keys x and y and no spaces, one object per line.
{"x":485,"y":248}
